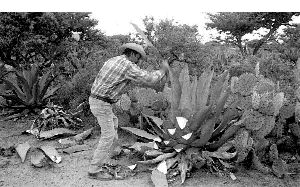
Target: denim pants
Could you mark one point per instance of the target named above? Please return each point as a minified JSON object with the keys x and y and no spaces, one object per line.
{"x":108,"y":139}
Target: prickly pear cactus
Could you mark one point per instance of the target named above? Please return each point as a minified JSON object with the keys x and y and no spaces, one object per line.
{"x":260,"y":102}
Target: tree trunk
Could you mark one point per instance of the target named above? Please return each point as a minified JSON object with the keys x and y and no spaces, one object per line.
{"x":264,"y":39}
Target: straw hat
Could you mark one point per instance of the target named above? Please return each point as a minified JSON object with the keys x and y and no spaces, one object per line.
{"x":136,"y":47}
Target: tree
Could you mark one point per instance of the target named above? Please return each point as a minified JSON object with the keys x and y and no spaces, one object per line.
{"x":237,"y":24}
{"x":43,"y":38}
{"x":174,"y":41}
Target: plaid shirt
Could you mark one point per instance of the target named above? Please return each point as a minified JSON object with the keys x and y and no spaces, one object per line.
{"x":117,"y":73}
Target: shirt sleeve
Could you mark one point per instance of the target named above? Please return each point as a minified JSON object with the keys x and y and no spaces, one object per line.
{"x":139,"y":75}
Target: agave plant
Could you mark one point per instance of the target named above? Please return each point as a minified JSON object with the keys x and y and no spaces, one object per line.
{"x":179,"y":142}
{"x":27,"y":90}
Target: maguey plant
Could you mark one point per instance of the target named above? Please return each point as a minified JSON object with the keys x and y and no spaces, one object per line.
{"x":178,"y":143}
{"x":27,"y":91}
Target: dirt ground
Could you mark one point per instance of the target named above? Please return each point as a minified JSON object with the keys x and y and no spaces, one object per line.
{"x":72,"y":171}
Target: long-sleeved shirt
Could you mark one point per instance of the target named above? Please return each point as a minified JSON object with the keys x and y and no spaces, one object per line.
{"x":117,"y":73}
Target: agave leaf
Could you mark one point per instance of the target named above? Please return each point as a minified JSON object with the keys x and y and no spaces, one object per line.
{"x":51,"y":153}
{"x":194,"y":94}
{"x":35,"y":93}
{"x":142,"y":147}
{"x":180,"y":147}
{"x":22,"y":150}
{"x":76,"y":148}
{"x":176,"y":92}
{"x":203,"y":86}
{"x":219,"y":87}
{"x":221,"y":155}
{"x":142,"y":133}
{"x":50,"y":93}
{"x":16,"y":89}
{"x":38,"y":158}
{"x":172,"y":161}
{"x":205,"y":134}
{"x":229,"y":115}
{"x":24,"y":84}
{"x":181,"y":122}
{"x":183,"y":168}
{"x":226,"y":135}
{"x":146,"y":40}
{"x":159,"y":179}
{"x":43,"y":79}
{"x":162,"y":167}
{"x":44,"y":88}
{"x":84,"y":134}
{"x":55,"y":132}
{"x":221,"y":102}
{"x":156,"y":120}
{"x":159,"y":158}
{"x":34,"y":75}
{"x":153,"y":153}
{"x":185,"y":99}
{"x":156,"y":127}
{"x":199,"y":118}
{"x":13,"y":97}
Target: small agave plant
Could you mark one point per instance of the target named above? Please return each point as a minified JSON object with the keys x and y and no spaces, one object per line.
{"x":179,"y":142}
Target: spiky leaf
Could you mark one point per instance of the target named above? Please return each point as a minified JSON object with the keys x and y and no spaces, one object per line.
{"x":203,"y":86}
{"x":159,"y":179}
{"x":52,"y":153}
{"x":22,"y":150}
{"x":185,"y":99}
{"x":142,"y":133}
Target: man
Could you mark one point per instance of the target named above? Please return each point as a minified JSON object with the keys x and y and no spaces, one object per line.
{"x":116,"y":73}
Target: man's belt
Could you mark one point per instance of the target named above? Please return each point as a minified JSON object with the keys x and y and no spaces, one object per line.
{"x":105,"y":99}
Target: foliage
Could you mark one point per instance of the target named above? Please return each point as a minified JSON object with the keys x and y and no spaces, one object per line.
{"x":174,"y":41}
{"x":238,"y":24}
{"x":44,"y":38}
{"x":28,"y":90}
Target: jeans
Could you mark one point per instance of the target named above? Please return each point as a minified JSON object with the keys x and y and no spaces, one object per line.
{"x":108,"y":139}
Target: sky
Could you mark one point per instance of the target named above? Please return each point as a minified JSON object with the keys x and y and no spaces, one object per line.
{"x":114,"y":16}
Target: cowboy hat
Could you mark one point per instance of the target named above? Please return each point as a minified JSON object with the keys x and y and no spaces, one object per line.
{"x":136,"y":47}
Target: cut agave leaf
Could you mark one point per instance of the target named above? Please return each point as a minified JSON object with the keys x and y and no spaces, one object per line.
{"x":155,"y":146}
{"x":221,"y":155}
{"x":22,"y":150}
{"x":56,"y":132}
{"x":153,"y":153}
{"x":162,"y":167}
{"x":156,"y":120}
{"x":159,"y":158}
{"x":172,"y":131}
{"x":76,"y":148}
{"x":179,"y":147}
{"x":132,"y":167}
{"x":187,"y":136}
{"x":139,"y":146}
{"x":171,"y":161}
{"x":159,"y":179}
{"x":142,"y":133}
{"x":183,"y":167}
{"x":52,"y":153}
{"x":84,"y":134}
{"x":38,"y":158}
{"x":181,"y":122}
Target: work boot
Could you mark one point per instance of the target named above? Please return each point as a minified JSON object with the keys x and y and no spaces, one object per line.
{"x":101,"y":175}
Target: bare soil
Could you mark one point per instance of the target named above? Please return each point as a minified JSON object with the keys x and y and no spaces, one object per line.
{"x":72,"y":171}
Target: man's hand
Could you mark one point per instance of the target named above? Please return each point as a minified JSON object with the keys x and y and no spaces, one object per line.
{"x":165,"y":65}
